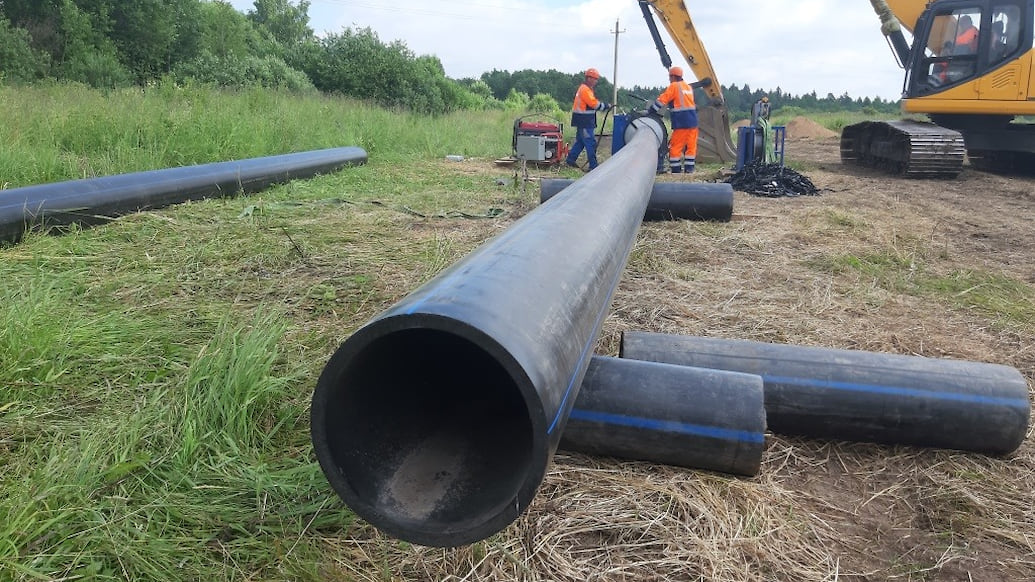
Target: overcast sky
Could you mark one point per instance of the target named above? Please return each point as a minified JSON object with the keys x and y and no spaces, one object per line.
{"x":829,"y":46}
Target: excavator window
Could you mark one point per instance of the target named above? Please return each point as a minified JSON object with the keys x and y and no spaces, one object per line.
{"x":1005,"y":37}
{"x":951,"y":53}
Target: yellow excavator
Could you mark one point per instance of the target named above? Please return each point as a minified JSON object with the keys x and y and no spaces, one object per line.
{"x":968,"y":69}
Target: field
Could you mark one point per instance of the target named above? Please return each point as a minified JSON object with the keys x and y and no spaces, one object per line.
{"x":158,"y":369}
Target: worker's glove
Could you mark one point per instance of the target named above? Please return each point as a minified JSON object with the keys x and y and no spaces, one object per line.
{"x":603,"y":106}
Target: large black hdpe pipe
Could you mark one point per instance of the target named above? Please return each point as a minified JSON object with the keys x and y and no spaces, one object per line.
{"x":669,"y":200}
{"x":673,"y":415}
{"x":96,"y":200}
{"x":864,"y":396}
{"x":436,"y":420}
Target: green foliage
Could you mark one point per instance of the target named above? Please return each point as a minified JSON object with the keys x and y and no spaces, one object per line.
{"x":356,"y":63}
{"x":517,"y":101}
{"x":18,"y":60}
{"x":543,"y":103}
{"x":224,"y":31}
{"x":248,"y":71}
{"x":287,"y":24}
{"x":560,"y":86}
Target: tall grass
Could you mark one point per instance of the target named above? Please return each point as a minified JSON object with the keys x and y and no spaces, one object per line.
{"x":64,"y":132}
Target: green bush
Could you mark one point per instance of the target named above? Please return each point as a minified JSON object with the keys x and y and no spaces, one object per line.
{"x":18,"y":60}
{"x":97,"y":69}
{"x":233,"y":72}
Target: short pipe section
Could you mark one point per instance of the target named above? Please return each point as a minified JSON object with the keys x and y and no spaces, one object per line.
{"x":673,"y":415}
{"x":863,"y":396}
{"x":670,"y":200}
{"x":437,"y":419}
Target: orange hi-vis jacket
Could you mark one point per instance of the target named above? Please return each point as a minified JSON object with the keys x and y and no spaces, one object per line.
{"x":584,"y":109}
{"x":680,"y":98}
{"x":968,"y":40}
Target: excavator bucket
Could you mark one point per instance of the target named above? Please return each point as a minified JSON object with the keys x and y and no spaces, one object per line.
{"x":714,"y":142}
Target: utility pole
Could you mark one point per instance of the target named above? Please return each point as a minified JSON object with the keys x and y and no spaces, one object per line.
{"x":614,"y":77}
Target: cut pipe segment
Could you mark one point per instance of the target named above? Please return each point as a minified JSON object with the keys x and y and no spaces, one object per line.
{"x":674,"y":415}
{"x":669,"y":200}
{"x":864,"y":396}
{"x":97,"y":200}
{"x":436,"y":420}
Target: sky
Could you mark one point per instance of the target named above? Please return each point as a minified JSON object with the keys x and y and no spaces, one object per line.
{"x":800,"y":46}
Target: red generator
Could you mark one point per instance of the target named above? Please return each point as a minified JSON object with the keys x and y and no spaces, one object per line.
{"x":541,"y":142}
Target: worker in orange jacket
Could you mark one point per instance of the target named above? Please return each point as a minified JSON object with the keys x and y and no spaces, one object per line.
{"x":584,"y":120}
{"x":679,"y":97}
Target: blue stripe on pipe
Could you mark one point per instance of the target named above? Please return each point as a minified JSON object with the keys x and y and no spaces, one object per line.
{"x":898,"y":391}
{"x":727,"y":434}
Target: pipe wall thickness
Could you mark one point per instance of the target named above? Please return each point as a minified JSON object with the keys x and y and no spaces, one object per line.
{"x":674,"y":415}
{"x":669,"y":200}
{"x":96,"y":200}
{"x":864,"y":396}
{"x":436,"y":420}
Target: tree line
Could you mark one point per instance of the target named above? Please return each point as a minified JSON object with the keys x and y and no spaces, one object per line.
{"x":118,"y":43}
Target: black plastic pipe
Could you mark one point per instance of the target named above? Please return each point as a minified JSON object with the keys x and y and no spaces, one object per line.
{"x":674,"y":415}
{"x":436,"y":420}
{"x":669,"y":200}
{"x":864,"y":396}
{"x":96,"y":200}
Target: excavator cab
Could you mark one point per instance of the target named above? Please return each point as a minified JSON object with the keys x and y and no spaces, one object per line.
{"x":963,"y":40}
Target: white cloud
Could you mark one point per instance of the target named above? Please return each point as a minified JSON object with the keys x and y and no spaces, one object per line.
{"x":798,"y":45}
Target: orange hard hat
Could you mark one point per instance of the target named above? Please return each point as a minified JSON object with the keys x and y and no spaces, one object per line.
{"x":676,"y":71}
{"x":592,"y":73}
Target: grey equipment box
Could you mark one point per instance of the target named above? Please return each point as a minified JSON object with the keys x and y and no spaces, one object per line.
{"x":532,"y":148}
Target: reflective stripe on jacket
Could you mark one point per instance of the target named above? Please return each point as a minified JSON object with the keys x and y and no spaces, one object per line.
{"x":584,"y":109}
{"x":680,"y":98}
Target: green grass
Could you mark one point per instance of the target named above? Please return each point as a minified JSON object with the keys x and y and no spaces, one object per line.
{"x":1006,"y":300}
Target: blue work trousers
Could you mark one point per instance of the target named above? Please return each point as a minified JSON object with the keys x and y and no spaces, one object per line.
{"x":584,"y":140}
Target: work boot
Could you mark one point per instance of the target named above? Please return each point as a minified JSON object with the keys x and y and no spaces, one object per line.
{"x":677,"y":169}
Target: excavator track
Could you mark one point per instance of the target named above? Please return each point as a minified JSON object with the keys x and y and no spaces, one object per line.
{"x":910,"y":148}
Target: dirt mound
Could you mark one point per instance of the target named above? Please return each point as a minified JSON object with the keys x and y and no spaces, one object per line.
{"x":805,"y":128}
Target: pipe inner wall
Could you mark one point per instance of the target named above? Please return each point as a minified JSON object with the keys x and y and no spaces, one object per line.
{"x":437,"y":419}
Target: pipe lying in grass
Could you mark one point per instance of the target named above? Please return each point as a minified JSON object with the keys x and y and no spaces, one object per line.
{"x":670,"y":200}
{"x":675,"y":415}
{"x":97,"y":200}
{"x":864,"y":396}
{"x":436,"y":420}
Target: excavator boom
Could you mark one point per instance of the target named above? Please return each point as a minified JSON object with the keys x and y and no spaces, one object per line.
{"x":714,"y":142}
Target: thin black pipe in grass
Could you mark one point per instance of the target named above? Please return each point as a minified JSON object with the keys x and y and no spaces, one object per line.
{"x":97,"y":200}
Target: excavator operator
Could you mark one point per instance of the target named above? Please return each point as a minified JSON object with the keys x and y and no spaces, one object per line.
{"x":679,"y":97}
{"x":584,"y":120}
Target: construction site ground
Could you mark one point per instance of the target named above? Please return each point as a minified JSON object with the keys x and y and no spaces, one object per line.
{"x":854,"y":268}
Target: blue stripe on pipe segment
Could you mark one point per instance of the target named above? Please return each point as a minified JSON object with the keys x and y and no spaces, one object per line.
{"x":898,"y":391}
{"x":668,"y":426}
